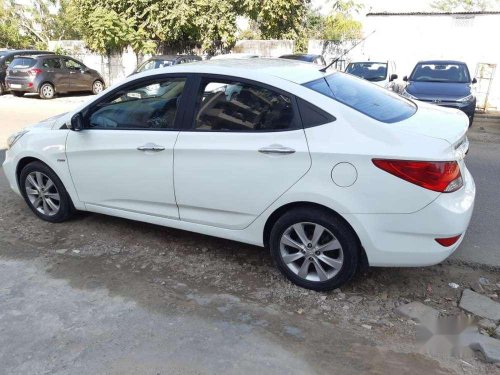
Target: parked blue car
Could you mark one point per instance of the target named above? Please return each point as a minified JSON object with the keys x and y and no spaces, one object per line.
{"x":443,"y":82}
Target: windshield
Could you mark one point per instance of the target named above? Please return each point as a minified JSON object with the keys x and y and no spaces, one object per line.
{"x":371,"y":100}
{"x":455,"y":73}
{"x":154,"y":64}
{"x":371,"y":71}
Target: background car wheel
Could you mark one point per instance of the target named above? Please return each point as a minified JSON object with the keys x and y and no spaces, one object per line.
{"x":47,"y":91}
{"x":97,"y":87}
{"x":44,"y":193}
{"x":2,"y":89}
{"x":314,"y":248}
{"x":17,"y":93}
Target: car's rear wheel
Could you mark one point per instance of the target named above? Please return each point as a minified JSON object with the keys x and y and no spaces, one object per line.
{"x":314,"y":248}
{"x":44,"y":193}
{"x":2,"y":89}
{"x":97,"y":87}
{"x":47,"y":91}
{"x":18,"y":93}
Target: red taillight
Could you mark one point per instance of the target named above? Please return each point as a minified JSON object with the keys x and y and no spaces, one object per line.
{"x":34,"y":71}
{"x":441,"y":176}
{"x":447,"y":242}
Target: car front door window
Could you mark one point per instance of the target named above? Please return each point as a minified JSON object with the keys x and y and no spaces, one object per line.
{"x":148,"y":106}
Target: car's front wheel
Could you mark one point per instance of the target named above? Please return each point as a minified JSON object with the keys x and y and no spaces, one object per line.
{"x":314,"y":248}
{"x":44,"y":193}
{"x":47,"y":91}
{"x":2,"y":89}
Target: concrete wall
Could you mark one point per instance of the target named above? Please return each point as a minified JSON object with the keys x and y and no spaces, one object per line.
{"x":406,"y":39}
{"x":265,"y":48}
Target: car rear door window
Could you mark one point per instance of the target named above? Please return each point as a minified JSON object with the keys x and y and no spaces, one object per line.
{"x":52,"y":63}
{"x":242,"y":107}
{"x":365,"y":97}
{"x":147,"y":106}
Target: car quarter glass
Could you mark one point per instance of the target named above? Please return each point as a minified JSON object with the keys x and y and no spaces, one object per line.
{"x":146,"y":106}
{"x":369,"y":99}
{"x":238,"y":106}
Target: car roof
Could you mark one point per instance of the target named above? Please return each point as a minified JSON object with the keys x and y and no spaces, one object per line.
{"x":441,"y":62}
{"x":171,"y":57}
{"x":308,"y":55}
{"x":291,"y":70}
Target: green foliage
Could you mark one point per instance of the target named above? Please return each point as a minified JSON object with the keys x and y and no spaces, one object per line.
{"x":10,"y":37}
{"x":464,"y":5}
{"x":340,"y":25}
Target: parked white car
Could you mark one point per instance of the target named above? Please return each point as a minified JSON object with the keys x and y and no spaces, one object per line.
{"x":325,"y":169}
{"x":381,"y":73}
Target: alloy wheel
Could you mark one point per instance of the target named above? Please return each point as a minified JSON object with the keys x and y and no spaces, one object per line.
{"x":47,"y":91}
{"x":42,"y":193}
{"x":311,"y":251}
{"x":98,"y":87}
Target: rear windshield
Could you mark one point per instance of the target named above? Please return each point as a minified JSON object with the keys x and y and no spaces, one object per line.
{"x":371,"y":71}
{"x":453,"y":73}
{"x":22,"y":63}
{"x":365,"y":97}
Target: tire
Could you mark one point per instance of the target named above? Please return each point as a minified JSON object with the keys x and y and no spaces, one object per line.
{"x":18,"y":93}
{"x":338,"y":245}
{"x":33,"y":181}
{"x":47,"y":91}
{"x":2,"y":89}
{"x":97,"y":87}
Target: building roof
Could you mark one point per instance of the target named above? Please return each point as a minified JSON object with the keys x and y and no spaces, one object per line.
{"x":479,"y":13}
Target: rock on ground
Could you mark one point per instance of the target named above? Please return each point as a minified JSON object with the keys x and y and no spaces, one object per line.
{"x":480,"y":305}
{"x":490,"y":347}
{"x":418,"y":311}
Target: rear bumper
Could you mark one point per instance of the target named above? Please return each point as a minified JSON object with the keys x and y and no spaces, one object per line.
{"x":21,"y":84}
{"x":408,"y":240}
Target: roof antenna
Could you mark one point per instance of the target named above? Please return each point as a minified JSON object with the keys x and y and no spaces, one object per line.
{"x":323,"y":70}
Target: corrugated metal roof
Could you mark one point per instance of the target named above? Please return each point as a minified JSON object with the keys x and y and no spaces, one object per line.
{"x":433,"y":13}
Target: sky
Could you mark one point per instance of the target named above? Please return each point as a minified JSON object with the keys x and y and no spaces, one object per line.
{"x":381,"y":5}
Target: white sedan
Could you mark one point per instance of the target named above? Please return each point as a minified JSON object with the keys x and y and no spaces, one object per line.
{"x":325,"y":169}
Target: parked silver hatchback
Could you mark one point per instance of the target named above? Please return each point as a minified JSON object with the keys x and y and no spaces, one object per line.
{"x":51,"y":74}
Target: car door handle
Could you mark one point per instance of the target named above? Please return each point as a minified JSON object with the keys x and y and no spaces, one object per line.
{"x":276,"y":149}
{"x":151,"y":147}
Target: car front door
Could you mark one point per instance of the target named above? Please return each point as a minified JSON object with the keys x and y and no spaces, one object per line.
{"x":80,"y":77}
{"x":244,"y":146}
{"x":123,"y":159}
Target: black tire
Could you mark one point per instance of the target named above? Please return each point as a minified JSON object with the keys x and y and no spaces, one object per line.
{"x":18,"y":93}
{"x":2,"y":89}
{"x":351,"y":247}
{"x":65,"y":205}
{"x":47,"y":91}
{"x":96,"y":89}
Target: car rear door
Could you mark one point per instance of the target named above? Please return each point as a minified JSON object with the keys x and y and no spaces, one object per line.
{"x":123,"y":159}
{"x":242,"y":148}
{"x":54,"y":73}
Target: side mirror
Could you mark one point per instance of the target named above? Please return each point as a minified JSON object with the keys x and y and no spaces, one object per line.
{"x":474,"y":80}
{"x":393,"y":77}
{"x":405,"y":78}
{"x":77,"y":122}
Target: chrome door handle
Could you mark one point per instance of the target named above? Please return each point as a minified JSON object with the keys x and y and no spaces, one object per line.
{"x":276,"y":150}
{"x":151,"y":147}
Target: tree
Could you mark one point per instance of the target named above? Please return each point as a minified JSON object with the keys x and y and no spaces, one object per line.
{"x":10,"y":36}
{"x":464,"y":5}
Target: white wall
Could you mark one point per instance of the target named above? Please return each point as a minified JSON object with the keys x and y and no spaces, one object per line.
{"x":406,"y":39}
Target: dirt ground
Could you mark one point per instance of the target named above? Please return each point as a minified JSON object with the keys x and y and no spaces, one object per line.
{"x":104,"y":295}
